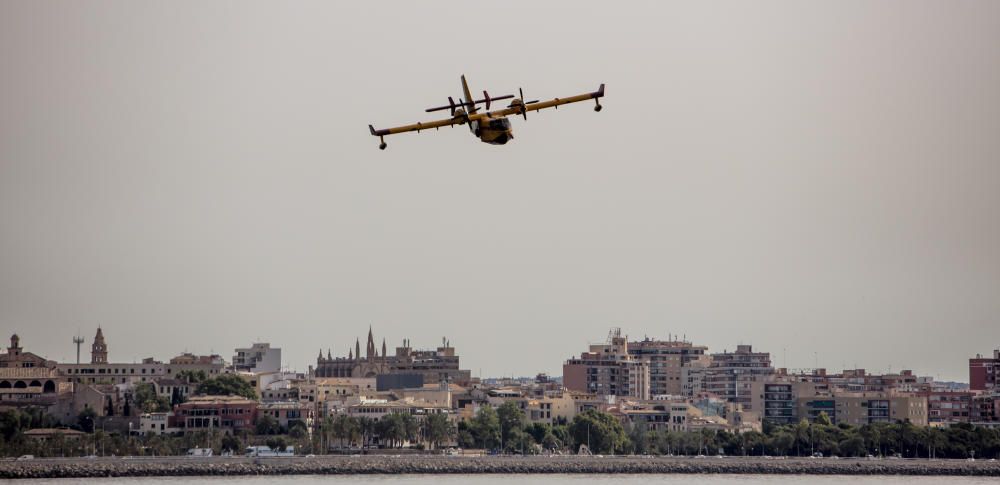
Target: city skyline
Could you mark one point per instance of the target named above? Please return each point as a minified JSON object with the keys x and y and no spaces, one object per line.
{"x":290,"y":361}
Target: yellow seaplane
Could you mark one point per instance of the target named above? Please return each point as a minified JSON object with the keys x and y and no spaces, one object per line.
{"x":491,"y":127}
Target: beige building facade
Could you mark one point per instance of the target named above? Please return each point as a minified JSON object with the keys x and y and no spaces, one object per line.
{"x":666,"y":360}
{"x":608,"y":370}
{"x":859,"y":409}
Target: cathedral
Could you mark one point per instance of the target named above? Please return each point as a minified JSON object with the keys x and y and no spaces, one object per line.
{"x":433,"y":365}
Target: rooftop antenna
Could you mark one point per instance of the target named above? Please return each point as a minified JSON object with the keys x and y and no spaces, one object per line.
{"x":78,"y":340}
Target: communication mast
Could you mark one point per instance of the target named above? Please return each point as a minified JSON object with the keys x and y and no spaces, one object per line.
{"x":614,"y":333}
{"x":78,"y":341}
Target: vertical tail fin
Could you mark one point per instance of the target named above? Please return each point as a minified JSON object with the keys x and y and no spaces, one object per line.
{"x":468,"y":96}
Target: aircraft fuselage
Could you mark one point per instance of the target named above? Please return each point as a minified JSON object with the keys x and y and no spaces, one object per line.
{"x":495,"y":131}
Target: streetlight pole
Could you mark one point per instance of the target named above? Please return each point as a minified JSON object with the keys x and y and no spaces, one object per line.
{"x":93,"y":430}
{"x":812,"y":445}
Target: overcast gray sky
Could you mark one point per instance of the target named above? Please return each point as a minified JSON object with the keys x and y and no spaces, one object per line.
{"x":819,"y":179}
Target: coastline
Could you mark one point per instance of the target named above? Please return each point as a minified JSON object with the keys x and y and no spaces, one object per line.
{"x":381,"y":464}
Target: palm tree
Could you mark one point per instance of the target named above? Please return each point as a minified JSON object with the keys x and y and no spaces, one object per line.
{"x":437,"y":428}
{"x":355,"y":434}
{"x":367,"y":427}
{"x":344,"y":427}
{"x":410,"y":428}
{"x":325,"y":428}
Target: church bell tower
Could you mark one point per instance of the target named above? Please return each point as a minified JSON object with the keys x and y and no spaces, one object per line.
{"x":99,"y":350}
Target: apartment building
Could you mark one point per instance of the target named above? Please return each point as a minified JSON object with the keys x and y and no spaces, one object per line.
{"x":666,"y":359}
{"x":608,"y":370}
{"x":776,"y":400}
{"x":858,"y":409}
{"x":259,"y":357}
{"x":948,"y":406}
{"x":731,"y":374}
{"x":985,"y":409}
{"x":983,"y":372}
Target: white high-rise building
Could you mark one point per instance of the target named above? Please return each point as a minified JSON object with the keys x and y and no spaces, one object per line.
{"x":260,"y":357}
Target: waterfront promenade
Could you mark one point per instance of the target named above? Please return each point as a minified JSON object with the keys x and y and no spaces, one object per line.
{"x":425,"y":464}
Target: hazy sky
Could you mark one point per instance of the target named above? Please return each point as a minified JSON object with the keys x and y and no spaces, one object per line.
{"x":819,"y":179}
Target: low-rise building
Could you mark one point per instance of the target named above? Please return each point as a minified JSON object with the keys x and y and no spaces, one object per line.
{"x":27,"y":379}
{"x":226,"y":413}
{"x":324,"y":394}
{"x":174,"y":390}
{"x":100,"y":371}
{"x":551,"y":409}
{"x":16,"y":357}
{"x":113,"y":373}
{"x":277,"y":386}
{"x":439,"y":394}
{"x":288,"y":413}
{"x":338,"y":388}
{"x":211,"y":365}
{"x":155,"y":424}
{"x":655,"y":416}
{"x":377,"y":409}
{"x":27,"y":383}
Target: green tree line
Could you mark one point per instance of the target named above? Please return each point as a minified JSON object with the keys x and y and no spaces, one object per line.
{"x":505,"y":429}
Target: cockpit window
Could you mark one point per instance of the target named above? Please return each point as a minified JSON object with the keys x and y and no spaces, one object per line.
{"x":500,"y":124}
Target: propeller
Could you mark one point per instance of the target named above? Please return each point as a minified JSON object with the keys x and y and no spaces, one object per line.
{"x":464,"y":114}
{"x":524,"y":112}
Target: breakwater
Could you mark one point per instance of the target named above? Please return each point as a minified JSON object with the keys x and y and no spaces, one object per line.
{"x":381,"y":464}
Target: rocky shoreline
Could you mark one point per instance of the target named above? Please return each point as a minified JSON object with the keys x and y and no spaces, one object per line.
{"x":340,"y":465}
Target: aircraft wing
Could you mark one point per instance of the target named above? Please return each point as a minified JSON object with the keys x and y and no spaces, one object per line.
{"x":552,"y":103}
{"x":416,"y":126}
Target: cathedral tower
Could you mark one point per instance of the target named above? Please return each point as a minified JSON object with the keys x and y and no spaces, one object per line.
{"x":370,"y":350}
{"x":99,"y":350}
